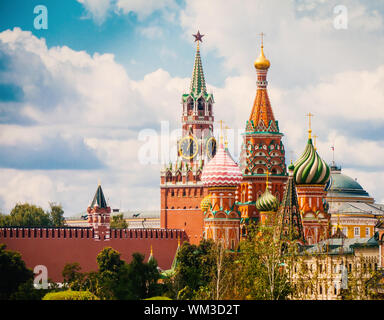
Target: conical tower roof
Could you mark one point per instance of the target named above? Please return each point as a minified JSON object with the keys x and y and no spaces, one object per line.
{"x":291,"y":223}
{"x":99,"y":199}
{"x":198,"y":80}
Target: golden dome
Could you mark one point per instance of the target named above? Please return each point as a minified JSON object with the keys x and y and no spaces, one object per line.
{"x":262,"y":62}
{"x":205,"y":203}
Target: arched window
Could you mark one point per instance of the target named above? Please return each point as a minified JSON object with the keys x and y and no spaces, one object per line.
{"x":200,"y":106}
{"x":190,"y":107}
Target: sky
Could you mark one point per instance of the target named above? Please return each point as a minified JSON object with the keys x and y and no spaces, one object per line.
{"x":90,"y":98}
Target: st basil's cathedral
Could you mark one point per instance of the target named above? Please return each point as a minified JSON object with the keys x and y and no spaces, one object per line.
{"x":208,"y":195}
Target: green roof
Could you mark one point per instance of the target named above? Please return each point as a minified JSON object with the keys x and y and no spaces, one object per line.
{"x":341,"y":184}
{"x":99,"y":199}
{"x":197,"y":87}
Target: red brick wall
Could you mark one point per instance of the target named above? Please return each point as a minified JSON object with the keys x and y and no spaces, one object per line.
{"x":55,"y":252}
{"x":183,"y":212}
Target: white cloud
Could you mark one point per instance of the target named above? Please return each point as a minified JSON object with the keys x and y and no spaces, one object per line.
{"x":98,"y":9}
{"x":91,"y":96}
{"x":151,"y":32}
{"x":143,"y":8}
{"x":302,"y":48}
{"x":79,"y":97}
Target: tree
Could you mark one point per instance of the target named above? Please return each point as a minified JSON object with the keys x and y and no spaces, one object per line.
{"x":118,"y":222}
{"x":141,"y":278}
{"x":263,"y":267}
{"x":28,"y":215}
{"x":195,"y":269}
{"x":13,"y":272}
{"x":56,"y":215}
{"x":115,"y":279}
{"x":72,"y":276}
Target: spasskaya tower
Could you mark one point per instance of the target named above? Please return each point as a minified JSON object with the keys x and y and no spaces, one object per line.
{"x":180,"y":186}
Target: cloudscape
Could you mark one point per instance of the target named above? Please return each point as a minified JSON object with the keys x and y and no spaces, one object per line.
{"x":80,"y":99}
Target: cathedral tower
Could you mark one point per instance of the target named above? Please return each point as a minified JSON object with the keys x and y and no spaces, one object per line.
{"x":181,"y":186}
{"x":221,"y":216}
{"x":262,"y":149}
{"x":311,"y":175}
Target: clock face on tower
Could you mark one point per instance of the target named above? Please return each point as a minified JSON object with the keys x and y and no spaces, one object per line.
{"x":211,"y":147}
{"x":188,"y":147}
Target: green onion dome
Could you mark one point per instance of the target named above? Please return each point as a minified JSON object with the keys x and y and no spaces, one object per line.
{"x":267,"y":202}
{"x":310,"y":168}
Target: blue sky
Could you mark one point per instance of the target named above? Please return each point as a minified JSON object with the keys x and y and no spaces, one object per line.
{"x":76,"y":98}
{"x":119,"y":33}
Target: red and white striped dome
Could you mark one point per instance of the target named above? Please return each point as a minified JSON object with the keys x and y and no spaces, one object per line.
{"x":222,"y":170}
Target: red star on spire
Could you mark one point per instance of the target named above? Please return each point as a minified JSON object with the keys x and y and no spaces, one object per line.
{"x":198,"y":36}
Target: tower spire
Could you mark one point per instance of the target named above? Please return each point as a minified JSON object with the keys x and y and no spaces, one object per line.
{"x":262,"y":113}
{"x":198,"y":80}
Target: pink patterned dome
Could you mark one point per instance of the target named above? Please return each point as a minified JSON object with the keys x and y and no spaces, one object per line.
{"x":222,"y":170}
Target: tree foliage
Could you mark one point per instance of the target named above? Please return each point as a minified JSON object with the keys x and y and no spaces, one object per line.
{"x":118,"y":222}
{"x":195,"y":268}
{"x":29,"y":215}
{"x":70,"y":295}
{"x":116,"y":279}
{"x":262,"y":266}
{"x":13,"y":272}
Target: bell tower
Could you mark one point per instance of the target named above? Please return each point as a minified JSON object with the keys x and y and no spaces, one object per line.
{"x":180,"y":186}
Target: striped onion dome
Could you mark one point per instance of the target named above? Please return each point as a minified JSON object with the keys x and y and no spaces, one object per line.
{"x":267,"y":202}
{"x":205,"y":204}
{"x":310,"y":168}
{"x":221,"y":170}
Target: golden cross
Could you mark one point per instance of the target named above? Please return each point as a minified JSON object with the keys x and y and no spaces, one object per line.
{"x":309,"y":115}
{"x":226,"y":137}
{"x":315,"y":137}
{"x":221,"y":131}
{"x":262,"y":38}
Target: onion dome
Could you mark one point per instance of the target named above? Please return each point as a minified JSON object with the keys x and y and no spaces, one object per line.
{"x":267,"y":202}
{"x":310,"y":168}
{"x":205,"y":204}
{"x":222,"y":170}
{"x":262,"y":63}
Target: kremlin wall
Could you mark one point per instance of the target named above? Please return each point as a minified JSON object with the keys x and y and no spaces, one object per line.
{"x":205,"y":194}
